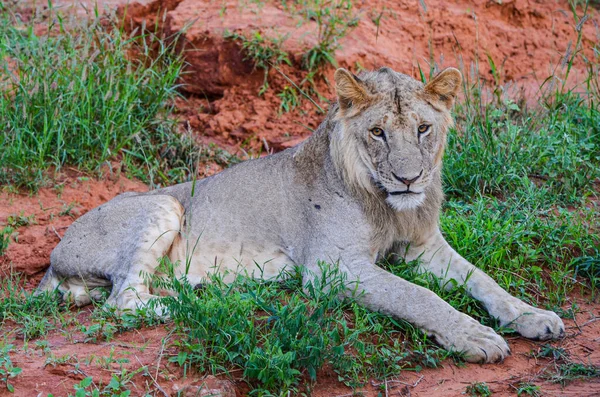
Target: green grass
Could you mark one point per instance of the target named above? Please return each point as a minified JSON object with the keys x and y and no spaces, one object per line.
{"x":30,"y":316}
{"x":478,"y":389}
{"x":264,"y":52}
{"x":334,"y":20}
{"x":570,"y":371}
{"x":528,"y":389}
{"x":564,"y":368}
{"x":7,"y":369}
{"x":87,"y":95}
{"x":278,"y":335}
{"x":5,"y":238}
{"x":116,"y":387}
{"x":513,"y":149}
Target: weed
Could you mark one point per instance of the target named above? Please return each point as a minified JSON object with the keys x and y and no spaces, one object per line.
{"x":117,"y":386}
{"x":289,"y":99}
{"x":478,"y":389}
{"x":107,"y":361}
{"x":18,"y":220}
{"x":552,"y":352}
{"x":5,"y":236}
{"x":64,"y":359}
{"x":565,"y":369}
{"x":588,"y":265}
{"x":67,"y":209}
{"x":7,"y":370}
{"x":81,"y":389}
{"x":119,"y":381}
{"x":107,"y":322}
{"x":376,"y":18}
{"x":528,"y":389}
{"x":334,"y":20}
{"x":570,"y":312}
{"x":263,"y":51}
{"x":32,"y":315}
{"x":570,"y":371}
{"x":42,"y":345}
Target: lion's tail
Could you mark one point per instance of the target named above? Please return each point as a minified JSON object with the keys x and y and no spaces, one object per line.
{"x":49,"y":283}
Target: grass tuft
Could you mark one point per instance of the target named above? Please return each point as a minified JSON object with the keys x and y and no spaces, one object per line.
{"x":85,"y":96}
{"x":30,"y":316}
{"x":280,"y":334}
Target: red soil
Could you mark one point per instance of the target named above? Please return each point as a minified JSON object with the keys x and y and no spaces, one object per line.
{"x":527,"y":37}
{"x":29,"y":254}
{"x":527,"y":40}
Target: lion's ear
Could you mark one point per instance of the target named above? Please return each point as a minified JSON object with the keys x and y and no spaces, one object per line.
{"x":351,"y":91}
{"x":445,"y":86}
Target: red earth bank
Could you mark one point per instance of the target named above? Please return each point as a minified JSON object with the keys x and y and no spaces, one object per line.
{"x":526,"y":39}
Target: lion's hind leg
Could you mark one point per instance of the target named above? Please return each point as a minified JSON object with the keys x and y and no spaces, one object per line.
{"x":118,"y":244}
{"x":131,"y":288}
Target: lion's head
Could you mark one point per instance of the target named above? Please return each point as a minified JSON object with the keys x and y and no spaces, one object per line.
{"x":392,"y":131}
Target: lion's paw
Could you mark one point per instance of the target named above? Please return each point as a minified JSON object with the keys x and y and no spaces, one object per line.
{"x":479,"y":344}
{"x":538,"y":324}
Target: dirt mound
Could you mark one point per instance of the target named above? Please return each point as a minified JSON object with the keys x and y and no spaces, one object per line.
{"x":527,"y":41}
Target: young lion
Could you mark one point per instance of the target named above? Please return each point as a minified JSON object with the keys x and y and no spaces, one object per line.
{"x":365,"y":184}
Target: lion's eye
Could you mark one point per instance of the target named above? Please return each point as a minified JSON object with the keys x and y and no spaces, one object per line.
{"x":377,"y":132}
{"x":424,"y":128}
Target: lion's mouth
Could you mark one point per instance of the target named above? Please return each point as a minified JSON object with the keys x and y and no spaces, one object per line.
{"x":396,"y":192}
{"x":399,"y":193}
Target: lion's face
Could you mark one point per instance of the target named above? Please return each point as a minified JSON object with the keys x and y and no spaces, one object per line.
{"x":398,"y":127}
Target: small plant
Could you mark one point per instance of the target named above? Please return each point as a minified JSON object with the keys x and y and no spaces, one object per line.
{"x":7,"y":370}
{"x":106,"y":362}
{"x":263,"y":51}
{"x":67,"y":209}
{"x":334,"y":20}
{"x":570,"y":371}
{"x":108,"y":322}
{"x":58,"y":360}
{"x":5,"y":236}
{"x":81,"y":389}
{"x":117,"y":387}
{"x":119,"y":381}
{"x":18,"y":220}
{"x":42,"y":345}
{"x":289,"y":99}
{"x":33,"y":315}
{"x":551,"y":352}
{"x":376,"y":19}
{"x":478,"y":389}
{"x":589,"y":266}
{"x":528,"y":389}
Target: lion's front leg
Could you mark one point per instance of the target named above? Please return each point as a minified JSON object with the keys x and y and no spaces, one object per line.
{"x":436,"y":256}
{"x":384,"y":292}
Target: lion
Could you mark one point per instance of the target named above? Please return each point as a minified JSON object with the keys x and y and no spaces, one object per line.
{"x":366,"y":184}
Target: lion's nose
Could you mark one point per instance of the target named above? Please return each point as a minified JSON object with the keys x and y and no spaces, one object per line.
{"x":408,"y":181}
